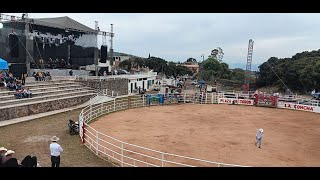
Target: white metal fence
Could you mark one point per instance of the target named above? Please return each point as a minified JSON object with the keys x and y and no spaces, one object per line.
{"x":121,"y":153}
{"x":125,"y":154}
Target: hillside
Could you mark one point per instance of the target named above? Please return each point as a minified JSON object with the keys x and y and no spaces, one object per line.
{"x":300,"y":73}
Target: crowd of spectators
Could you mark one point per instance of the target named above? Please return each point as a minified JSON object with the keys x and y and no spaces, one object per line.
{"x":42,"y":76}
{"x":7,"y":159}
{"x":13,"y":84}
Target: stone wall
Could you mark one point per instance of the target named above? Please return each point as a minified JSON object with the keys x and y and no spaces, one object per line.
{"x":117,"y":85}
{"x":36,"y":108}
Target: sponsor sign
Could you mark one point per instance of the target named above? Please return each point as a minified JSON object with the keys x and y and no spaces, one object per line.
{"x":236,"y":101}
{"x":300,"y":107}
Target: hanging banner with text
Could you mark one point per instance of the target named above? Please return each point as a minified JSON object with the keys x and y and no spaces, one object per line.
{"x":300,"y":107}
{"x":236,"y":101}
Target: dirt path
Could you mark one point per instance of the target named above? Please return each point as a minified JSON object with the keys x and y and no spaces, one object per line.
{"x":33,"y":137}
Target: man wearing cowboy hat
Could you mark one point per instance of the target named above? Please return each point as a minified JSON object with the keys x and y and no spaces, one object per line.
{"x":3,"y":150}
{"x":9,"y":160}
{"x":55,"y":150}
{"x":259,"y":137}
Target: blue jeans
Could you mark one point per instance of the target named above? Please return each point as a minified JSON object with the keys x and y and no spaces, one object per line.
{"x":259,"y":141}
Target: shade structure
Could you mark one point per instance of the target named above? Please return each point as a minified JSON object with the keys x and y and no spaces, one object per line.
{"x":3,"y":64}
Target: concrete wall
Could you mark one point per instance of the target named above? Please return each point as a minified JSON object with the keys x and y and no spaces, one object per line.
{"x":36,"y":108}
{"x":136,"y":83}
{"x":118,"y":85}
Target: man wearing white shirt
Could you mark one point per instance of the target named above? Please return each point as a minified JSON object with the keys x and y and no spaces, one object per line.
{"x":55,"y":150}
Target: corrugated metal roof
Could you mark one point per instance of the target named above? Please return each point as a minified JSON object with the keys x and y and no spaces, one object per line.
{"x":63,"y":23}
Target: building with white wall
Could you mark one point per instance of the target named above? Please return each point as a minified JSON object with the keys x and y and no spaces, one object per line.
{"x":142,"y":81}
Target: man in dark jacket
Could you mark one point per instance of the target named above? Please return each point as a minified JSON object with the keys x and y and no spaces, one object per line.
{"x":9,"y":160}
{"x":3,"y":151}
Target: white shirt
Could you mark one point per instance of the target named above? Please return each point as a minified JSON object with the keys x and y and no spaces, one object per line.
{"x":55,"y":149}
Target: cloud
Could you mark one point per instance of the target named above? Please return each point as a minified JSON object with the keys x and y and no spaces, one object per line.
{"x":180,"y":36}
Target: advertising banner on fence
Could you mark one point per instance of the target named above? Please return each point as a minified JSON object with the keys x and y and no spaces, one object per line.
{"x":236,"y":101}
{"x":301,"y":107}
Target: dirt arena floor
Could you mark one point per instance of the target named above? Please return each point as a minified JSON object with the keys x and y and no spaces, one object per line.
{"x":221,"y":133}
{"x":33,"y":138}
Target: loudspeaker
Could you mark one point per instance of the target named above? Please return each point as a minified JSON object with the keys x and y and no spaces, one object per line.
{"x":18,"y":69}
{"x":103,"y":57}
{"x":14,"y":45}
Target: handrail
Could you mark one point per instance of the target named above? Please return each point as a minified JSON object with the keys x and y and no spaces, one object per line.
{"x":91,"y":111}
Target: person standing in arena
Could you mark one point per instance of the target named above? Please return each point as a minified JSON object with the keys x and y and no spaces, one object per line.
{"x":259,"y":137}
{"x":55,"y":150}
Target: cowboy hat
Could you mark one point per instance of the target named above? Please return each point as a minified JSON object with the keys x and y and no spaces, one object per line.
{"x":9,"y":152}
{"x":261,"y":130}
{"x":55,"y":138}
{"x":3,"y":149}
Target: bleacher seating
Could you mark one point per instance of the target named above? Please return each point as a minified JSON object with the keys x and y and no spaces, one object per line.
{"x":52,"y":95}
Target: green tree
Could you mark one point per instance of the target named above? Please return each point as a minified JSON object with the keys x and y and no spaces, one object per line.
{"x":238,"y":74}
{"x":299,"y":73}
{"x":126,"y":64}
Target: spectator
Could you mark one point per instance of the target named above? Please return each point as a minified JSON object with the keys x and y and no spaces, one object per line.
{"x":71,"y":72}
{"x":55,"y":151}
{"x":48,"y":76}
{"x":9,"y":160}
{"x":23,"y":78}
{"x":34,"y":75}
{"x":43,"y":76}
{"x":19,"y":86}
{"x":35,"y":162}
{"x":19,"y":94}
{"x":2,"y":154}
{"x":27,"y":161}
{"x":28,"y":93}
{"x":38,"y":76}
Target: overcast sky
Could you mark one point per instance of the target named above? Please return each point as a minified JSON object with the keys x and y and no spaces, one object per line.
{"x":176,"y":37}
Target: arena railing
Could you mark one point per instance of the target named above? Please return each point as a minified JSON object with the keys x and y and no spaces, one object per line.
{"x":125,"y":154}
{"x":122,"y":153}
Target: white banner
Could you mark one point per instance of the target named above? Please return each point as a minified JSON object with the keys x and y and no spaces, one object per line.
{"x":301,"y":107}
{"x":236,"y":101}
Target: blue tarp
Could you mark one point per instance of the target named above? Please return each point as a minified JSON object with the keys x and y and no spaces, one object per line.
{"x":3,"y":64}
